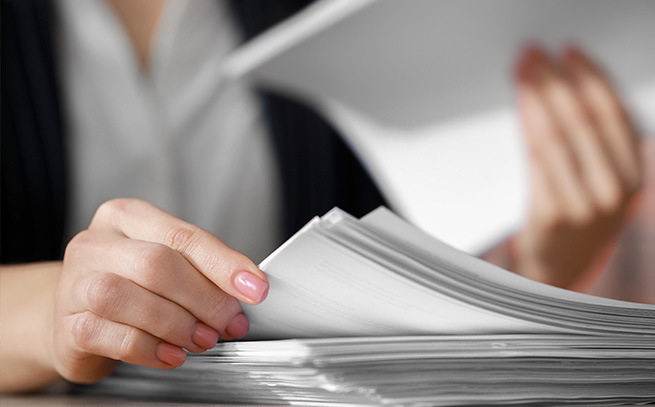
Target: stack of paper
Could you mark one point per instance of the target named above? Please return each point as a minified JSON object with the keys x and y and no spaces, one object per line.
{"x":421,"y":371}
{"x":391,"y":316}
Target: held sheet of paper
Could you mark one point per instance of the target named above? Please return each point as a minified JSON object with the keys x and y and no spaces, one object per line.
{"x":422,"y":89}
{"x":339,"y":276}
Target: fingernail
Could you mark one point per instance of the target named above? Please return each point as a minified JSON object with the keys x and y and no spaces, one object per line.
{"x":204,"y":336}
{"x":252,"y":287}
{"x":170,"y":354}
{"x":238,"y":327}
{"x":524,"y":69}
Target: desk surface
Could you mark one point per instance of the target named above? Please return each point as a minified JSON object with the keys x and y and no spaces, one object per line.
{"x":51,"y":400}
{"x":65,"y":400}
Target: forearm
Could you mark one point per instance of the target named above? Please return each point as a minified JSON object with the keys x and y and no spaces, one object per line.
{"x":26,"y":316}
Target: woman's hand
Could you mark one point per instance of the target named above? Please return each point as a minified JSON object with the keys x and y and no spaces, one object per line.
{"x":139,"y":285}
{"x":585,"y":165}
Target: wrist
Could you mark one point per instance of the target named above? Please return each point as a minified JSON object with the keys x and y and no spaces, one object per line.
{"x":27,"y":319}
{"x":46,"y":357}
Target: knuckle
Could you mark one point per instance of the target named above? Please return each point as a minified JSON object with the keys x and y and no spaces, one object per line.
{"x":183,"y":238}
{"x":582,"y":217}
{"x":171,"y":324}
{"x":129,"y":347}
{"x":151,"y":263}
{"x":223,"y":308}
{"x":553,"y":224}
{"x":109,"y":209}
{"x":612,"y":197}
{"x":214,"y":315}
{"x":177,"y":331}
{"x":219,"y":303}
{"x":103,"y":294}
{"x":78,"y":243}
{"x":84,"y":331}
{"x":551,"y":221}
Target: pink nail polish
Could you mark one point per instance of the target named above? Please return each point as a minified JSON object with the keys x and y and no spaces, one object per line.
{"x":238,"y":327}
{"x":170,"y":354}
{"x":204,"y":336}
{"x":252,"y":287}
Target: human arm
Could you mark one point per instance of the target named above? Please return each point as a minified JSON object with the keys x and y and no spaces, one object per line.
{"x":138,"y":285}
{"x":27,"y":295}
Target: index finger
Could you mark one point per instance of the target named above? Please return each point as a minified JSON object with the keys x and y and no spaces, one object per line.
{"x":233,"y":272}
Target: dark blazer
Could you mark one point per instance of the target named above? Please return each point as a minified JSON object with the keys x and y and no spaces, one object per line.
{"x":318,"y":169}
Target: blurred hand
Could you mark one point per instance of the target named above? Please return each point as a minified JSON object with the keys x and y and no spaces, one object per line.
{"x":585,"y":165}
{"x":139,"y":285}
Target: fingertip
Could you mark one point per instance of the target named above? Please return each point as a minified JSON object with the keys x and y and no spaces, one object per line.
{"x":571,"y":52}
{"x":531,"y":58}
{"x":204,"y":336}
{"x":265,"y":293}
{"x":577,"y":60}
{"x":245,"y":264}
{"x":251,"y":286}
{"x":258,"y":272}
{"x":570,"y":57}
{"x":171,"y":355}
{"x":238,"y":327}
{"x":536,"y":53}
{"x":521,"y":68}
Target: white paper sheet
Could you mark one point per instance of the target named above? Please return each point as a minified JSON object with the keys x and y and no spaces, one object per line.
{"x":340,"y":276}
{"x":422,"y":89}
{"x":319,"y":290}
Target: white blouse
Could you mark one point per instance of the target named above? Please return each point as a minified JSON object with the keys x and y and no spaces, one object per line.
{"x":179,"y":136}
